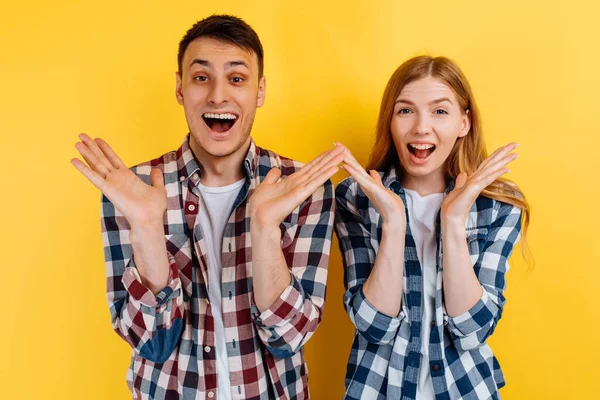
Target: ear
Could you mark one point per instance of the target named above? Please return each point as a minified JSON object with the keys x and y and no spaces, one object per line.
{"x":178,"y":90}
{"x":465,"y":125}
{"x":262,"y":87}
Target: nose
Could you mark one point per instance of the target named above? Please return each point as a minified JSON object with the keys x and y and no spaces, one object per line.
{"x":218,"y":93}
{"x":423,"y":125}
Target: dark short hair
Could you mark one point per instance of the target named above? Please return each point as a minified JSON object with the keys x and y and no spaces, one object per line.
{"x":225,"y":28}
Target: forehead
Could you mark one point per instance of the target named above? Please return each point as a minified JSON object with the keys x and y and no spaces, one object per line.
{"x":218,"y":53}
{"x":428,"y":88}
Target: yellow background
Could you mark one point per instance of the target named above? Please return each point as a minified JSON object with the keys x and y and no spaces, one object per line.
{"x":108,"y":69}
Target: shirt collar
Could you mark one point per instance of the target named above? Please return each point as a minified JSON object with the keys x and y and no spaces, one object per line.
{"x":391,"y":180}
{"x":187,"y":165}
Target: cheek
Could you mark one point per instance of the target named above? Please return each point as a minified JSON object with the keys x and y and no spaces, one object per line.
{"x":447,"y":132}
{"x":247,"y":98}
{"x":192,"y":95}
{"x":400,"y":127}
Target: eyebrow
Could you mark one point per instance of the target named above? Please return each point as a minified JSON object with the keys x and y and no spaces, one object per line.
{"x":228,"y":65}
{"x":436,"y":101}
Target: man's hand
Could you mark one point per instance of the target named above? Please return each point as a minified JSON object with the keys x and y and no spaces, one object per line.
{"x":140,"y":203}
{"x":275,"y":199}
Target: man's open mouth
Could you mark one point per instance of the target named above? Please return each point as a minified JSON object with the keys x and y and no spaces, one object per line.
{"x":219,"y":122}
{"x":421,"y":150}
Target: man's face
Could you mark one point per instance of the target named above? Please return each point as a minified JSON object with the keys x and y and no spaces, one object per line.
{"x":219,"y":89}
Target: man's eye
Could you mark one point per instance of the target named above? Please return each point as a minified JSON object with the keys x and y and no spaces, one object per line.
{"x":201,"y":78}
{"x":237,"y":79}
{"x":441,"y":112}
{"x":404,"y":111}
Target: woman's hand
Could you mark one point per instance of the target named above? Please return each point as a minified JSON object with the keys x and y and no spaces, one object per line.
{"x":458,"y":203}
{"x":388,"y":204}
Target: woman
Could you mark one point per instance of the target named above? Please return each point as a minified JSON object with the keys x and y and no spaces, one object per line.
{"x":425,"y":236}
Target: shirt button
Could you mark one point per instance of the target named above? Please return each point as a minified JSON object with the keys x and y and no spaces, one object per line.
{"x":207,"y":349}
{"x":211,"y":395}
{"x":191,"y":207}
{"x":181,"y":178}
{"x":436,"y":367}
{"x":195,"y":177}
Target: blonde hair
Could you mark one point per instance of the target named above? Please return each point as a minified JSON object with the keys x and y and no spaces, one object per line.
{"x":468,"y":152}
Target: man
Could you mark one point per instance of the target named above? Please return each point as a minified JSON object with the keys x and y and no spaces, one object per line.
{"x":216,"y":253}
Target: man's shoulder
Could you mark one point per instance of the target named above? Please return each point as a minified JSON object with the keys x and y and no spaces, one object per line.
{"x":268,"y":159}
{"x":166,"y":163}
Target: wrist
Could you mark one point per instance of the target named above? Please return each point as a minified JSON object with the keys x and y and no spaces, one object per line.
{"x":264,"y":230}
{"x":453,"y":227}
{"x":145,"y":231}
{"x":394,"y":225}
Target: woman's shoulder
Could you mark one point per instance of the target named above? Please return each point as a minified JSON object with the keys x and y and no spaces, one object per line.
{"x":487,"y":211}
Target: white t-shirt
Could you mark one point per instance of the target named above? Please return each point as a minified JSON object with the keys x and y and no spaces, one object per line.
{"x":422,"y":212}
{"x":216,"y":204}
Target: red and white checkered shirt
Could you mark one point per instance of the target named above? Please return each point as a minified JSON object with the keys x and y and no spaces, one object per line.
{"x":172,"y":333}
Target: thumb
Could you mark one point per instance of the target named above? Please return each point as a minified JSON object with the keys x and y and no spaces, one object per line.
{"x":156,"y":178}
{"x":461,"y":179}
{"x":272,"y":176}
{"x":375,"y":175}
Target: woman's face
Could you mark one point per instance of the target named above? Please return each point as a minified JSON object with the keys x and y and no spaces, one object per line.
{"x":426,"y":123}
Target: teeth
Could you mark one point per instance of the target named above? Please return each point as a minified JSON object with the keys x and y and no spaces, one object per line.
{"x":420,"y":146}
{"x":219,"y":116}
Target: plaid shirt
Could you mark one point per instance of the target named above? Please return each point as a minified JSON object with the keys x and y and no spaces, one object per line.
{"x":385,"y":357}
{"x":172,"y":334}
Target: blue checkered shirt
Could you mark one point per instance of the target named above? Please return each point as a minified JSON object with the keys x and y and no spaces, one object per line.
{"x":386,"y":353}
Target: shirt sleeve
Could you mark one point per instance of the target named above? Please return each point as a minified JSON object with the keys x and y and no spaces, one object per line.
{"x":294,"y":317}
{"x":472,"y":328}
{"x":358,"y":248}
{"x":151,"y":324}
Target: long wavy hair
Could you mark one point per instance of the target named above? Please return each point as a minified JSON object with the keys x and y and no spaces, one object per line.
{"x":468,"y":152}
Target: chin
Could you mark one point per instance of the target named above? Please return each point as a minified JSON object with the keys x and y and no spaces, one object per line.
{"x":220,"y":146}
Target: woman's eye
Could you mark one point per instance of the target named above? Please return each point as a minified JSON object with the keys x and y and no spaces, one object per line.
{"x":200,"y":78}
{"x":404,"y":111}
{"x":441,"y":112}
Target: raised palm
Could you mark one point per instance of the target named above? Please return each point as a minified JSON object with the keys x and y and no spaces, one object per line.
{"x":275,"y":199}
{"x":137,"y":201}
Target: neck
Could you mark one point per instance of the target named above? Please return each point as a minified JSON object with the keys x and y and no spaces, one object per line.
{"x":220,"y":170}
{"x":425,"y":185}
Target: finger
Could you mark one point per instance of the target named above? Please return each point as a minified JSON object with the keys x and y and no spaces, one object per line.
{"x":498,"y":154}
{"x":503,"y":161}
{"x":156,"y":178}
{"x":492,"y":168}
{"x":320,"y":162}
{"x":346,"y":149}
{"x":375,"y":175}
{"x":317,"y":181}
{"x":330,"y":162}
{"x":91,"y":159}
{"x":272,"y":176}
{"x":109,"y":153}
{"x":95,"y":150}
{"x":92,"y":176}
{"x":350,"y":160}
{"x":491,"y":178}
{"x":361,"y":177}
{"x":461,"y":179}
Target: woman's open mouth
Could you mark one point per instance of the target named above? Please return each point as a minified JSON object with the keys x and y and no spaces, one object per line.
{"x":421,"y":151}
{"x":219,"y":122}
